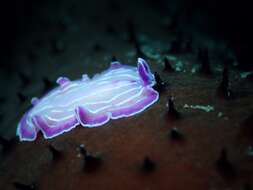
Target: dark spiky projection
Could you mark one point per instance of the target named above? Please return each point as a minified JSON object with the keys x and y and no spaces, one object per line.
{"x":48,"y":84}
{"x":134,"y":39}
{"x":139,"y":52}
{"x":224,"y":165}
{"x":172,"y":112}
{"x":203,"y":57}
{"x":148,"y":165}
{"x":92,"y":162}
{"x":188,"y":47}
{"x":21,"y":97}
{"x":114,"y":59}
{"x":223,"y":89}
{"x":97,"y":47}
{"x":167,"y":65}
{"x":160,"y":85}
{"x":25,"y":80}
{"x":82,"y":150}
{"x":175,"y":134}
{"x":131,"y":31}
{"x":56,"y":154}
{"x":176,"y":46}
{"x":21,"y":186}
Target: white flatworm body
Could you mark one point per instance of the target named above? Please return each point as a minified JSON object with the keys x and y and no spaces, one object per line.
{"x":120,"y":91}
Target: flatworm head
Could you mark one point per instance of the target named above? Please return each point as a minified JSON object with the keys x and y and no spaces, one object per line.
{"x":120,"y":91}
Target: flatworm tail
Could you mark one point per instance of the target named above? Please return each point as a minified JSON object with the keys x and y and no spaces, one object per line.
{"x":26,"y":130}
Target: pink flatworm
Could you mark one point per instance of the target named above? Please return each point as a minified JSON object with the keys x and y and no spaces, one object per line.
{"x":120,"y":91}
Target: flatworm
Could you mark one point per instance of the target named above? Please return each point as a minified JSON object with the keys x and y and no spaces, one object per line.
{"x":120,"y":91}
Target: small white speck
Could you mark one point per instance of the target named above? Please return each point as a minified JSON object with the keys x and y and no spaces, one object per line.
{"x":207,"y":108}
{"x":245,"y":74}
{"x":220,"y":114}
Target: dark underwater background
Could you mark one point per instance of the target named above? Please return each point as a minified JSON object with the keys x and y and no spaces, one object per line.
{"x":201,"y":54}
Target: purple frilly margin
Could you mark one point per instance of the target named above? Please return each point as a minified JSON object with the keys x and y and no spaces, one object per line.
{"x":27,"y":131}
